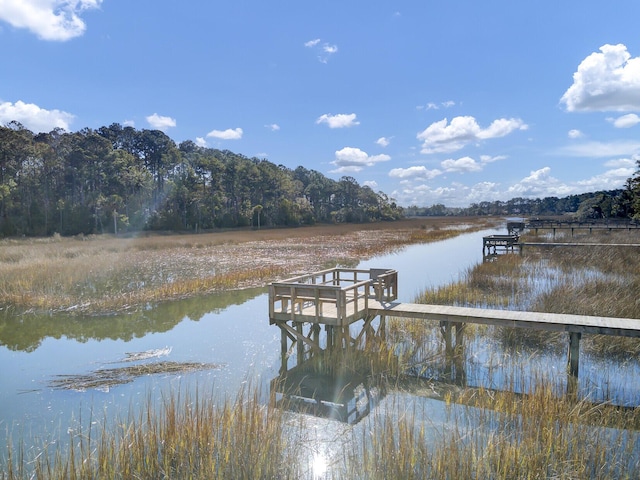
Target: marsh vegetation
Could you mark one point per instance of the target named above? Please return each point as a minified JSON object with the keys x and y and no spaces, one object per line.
{"x":105,"y":274}
{"x":514,"y":422}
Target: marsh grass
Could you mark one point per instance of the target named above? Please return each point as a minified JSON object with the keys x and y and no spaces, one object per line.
{"x":500,"y":435}
{"x":599,"y":281}
{"x":184,"y":435}
{"x":488,"y":434}
{"x":103,"y":274}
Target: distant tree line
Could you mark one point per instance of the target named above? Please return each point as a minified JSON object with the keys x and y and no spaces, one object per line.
{"x":622,"y":204}
{"x":117,"y":179}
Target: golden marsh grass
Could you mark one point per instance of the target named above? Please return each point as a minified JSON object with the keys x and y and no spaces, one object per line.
{"x":105,"y":274}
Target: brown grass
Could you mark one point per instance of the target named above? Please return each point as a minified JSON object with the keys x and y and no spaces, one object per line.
{"x":104,"y":274}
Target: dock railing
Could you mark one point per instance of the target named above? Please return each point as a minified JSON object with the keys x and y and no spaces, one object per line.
{"x":342,"y":293}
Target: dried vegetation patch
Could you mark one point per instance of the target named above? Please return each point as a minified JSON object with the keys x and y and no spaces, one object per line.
{"x":105,"y":274}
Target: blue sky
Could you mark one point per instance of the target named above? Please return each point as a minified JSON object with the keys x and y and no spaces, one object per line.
{"x":430,"y":102}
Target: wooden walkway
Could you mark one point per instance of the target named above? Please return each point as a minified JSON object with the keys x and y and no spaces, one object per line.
{"x":575,"y":244}
{"x":555,"y":322}
{"x":338,"y":298}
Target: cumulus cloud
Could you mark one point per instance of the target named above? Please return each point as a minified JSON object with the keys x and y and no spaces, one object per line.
{"x":461,"y":165}
{"x":609,"y":180}
{"x":201,"y":142}
{"x":415,"y":173}
{"x":539,"y":184}
{"x":372,"y":184}
{"x":626,"y":121}
{"x":341,"y":120}
{"x":351,"y":159}
{"x":605,"y":81}
{"x":323,"y":50}
{"x":228,"y":134}
{"x":55,"y":20}
{"x":574,"y":133}
{"x":160,"y":122}
{"x":445,"y":137}
{"x":383,"y":141}
{"x":33,"y":117}
{"x":453,"y":195}
{"x":274,"y":127}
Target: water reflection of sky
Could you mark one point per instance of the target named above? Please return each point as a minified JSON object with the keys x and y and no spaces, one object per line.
{"x":431,"y":265}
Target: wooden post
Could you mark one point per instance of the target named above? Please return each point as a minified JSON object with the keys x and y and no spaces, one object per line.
{"x":574,"y":354}
{"x":573,"y":363}
{"x":300,"y":343}
{"x":448,"y":344}
{"x":329,"y":330}
{"x":283,"y":350}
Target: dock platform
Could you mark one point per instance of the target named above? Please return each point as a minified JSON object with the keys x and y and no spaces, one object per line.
{"x":336,"y":299}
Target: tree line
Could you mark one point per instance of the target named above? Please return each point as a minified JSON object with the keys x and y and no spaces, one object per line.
{"x":621,"y":204}
{"x":117,"y":178}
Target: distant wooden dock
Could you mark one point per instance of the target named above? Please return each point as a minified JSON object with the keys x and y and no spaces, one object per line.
{"x":573,"y":226}
{"x":338,"y":298}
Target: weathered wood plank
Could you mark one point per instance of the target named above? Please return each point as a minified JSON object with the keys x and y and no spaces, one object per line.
{"x":625,"y":327}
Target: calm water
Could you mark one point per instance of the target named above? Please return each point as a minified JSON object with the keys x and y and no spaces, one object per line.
{"x":232,"y":332}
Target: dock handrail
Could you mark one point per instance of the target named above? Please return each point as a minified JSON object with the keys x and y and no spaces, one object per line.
{"x":346,"y":290}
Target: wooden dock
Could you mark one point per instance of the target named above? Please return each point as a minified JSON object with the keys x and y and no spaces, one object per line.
{"x":491,"y":244}
{"x":338,"y":298}
{"x":594,"y":225}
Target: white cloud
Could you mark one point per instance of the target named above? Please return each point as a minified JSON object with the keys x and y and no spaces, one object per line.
{"x":445,"y":137}
{"x":57,"y":20}
{"x":372,"y":184}
{"x":454,"y":195}
{"x":489,"y":159}
{"x":274,"y":127}
{"x":326,"y":48}
{"x":383,"y":141}
{"x":539,"y":184}
{"x":601,"y":149}
{"x":622,"y":162}
{"x":574,"y":133}
{"x":341,"y":120}
{"x":609,"y":180}
{"x":129,"y":123}
{"x":626,"y":121}
{"x":415,"y":173}
{"x":228,"y":134}
{"x":33,"y":117}
{"x":201,"y":142}
{"x":323,"y":51}
{"x":351,"y":159}
{"x":436,"y":106}
{"x":160,"y":122}
{"x":605,"y":81}
{"x":462,"y":165}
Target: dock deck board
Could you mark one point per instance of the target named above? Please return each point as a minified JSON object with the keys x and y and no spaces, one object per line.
{"x":626,"y":327}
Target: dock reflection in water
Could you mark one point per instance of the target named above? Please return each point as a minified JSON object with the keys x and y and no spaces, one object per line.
{"x":341,"y":393}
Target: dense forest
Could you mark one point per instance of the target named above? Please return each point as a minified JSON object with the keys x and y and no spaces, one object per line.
{"x":117,"y":179}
